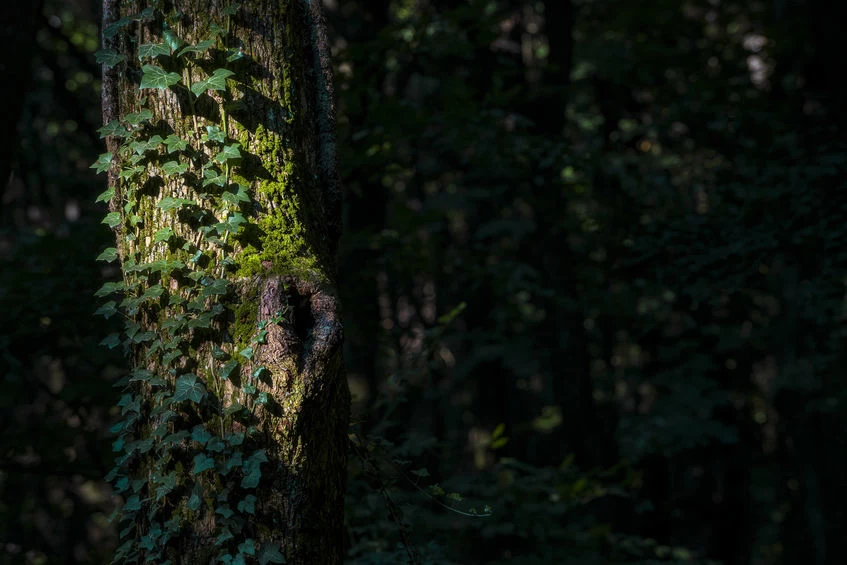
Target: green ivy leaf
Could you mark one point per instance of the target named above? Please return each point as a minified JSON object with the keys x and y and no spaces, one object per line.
{"x":175,"y":143}
{"x":174,"y":168}
{"x":109,"y":254}
{"x":109,"y":288}
{"x":172,"y":39}
{"x":270,"y":554}
{"x":169,"y":203}
{"x":247,"y":352}
{"x":106,"y":195}
{"x":111,"y":341}
{"x":200,"y":434}
{"x":228,"y":153}
{"x":231,"y":10}
{"x":252,"y":470}
{"x":262,"y":398}
{"x":137,"y":118}
{"x":204,"y":320}
{"x":112,"y":29}
{"x":107,"y":310}
{"x":224,"y":510}
{"x":248,"y":389}
{"x":112,"y":219}
{"x":217,"y":286}
{"x":200,"y":47}
{"x":175,"y":437}
{"x":233,"y":462}
{"x":225,"y":536}
{"x":193,"y":502}
{"x":168,"y":358}
{"x":154,"y":291}
{"x":131,"y":172}
{"x":235,"y":198}
{"x":153,"y":50}
{"x":234,"y":55}
{"x":202,"y":463}
{"x":157,"y":77}
{"x":213,"y":133}
{"x":228,"y":368}
{"x":103,"y":162}
{"x":187,"y":388}
{"x":213,"y":177}
{"x":217,"y":80}
{"x":163,"y":234}
{"x":108,"y":57}
{"x":231,"y":225}
{"x":133,"y":504}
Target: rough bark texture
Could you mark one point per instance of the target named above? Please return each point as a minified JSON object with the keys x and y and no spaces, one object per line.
{"x":279,"y":106}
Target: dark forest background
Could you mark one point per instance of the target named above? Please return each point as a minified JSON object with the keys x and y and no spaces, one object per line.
{"x":593,"y":268}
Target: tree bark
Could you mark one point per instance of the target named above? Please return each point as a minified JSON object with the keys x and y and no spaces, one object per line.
{"x":267,"y":287}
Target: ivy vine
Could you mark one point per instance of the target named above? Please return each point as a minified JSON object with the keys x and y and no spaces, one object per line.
{"x":186,"y":447}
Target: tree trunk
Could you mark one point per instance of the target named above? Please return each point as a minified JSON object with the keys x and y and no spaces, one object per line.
{"x":224,"y":197}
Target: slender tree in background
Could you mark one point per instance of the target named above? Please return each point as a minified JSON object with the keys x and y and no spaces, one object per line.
{"x":224,"y":197}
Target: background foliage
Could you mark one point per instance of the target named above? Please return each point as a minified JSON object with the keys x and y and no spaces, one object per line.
{"x":593,"y":280}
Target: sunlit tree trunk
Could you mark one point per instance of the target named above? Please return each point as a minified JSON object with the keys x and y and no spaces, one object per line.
{"x":229,"y":286}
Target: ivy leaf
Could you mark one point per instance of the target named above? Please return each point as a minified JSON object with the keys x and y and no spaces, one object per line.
{"x":200,"y":435}
{"x":107,"y":310}
{"x":112,"y":219}
{"x":112,"y":29}
{"x":224,"y":510}
{"x":247,"y":548}
{"x":153,"y":50}
{"x":109,"y":254}
{"x":168,"y":358}
{"x":202,"y":463}
{"x":166,"y":485}
{"x":187,"y":388}
{"x":252,"y":471}
{"x":235,"y":197}
{"x":109,"y":288}
{"x":108,"y":57}
{"x":247,"y":352}
{"x":133,"y":504}
{"x":231,"y":224}
{"x":138,"y":117}
{"x":113,"y":128}
{"x":131,"y":172}
{"x":213,"y":177}
{"x":228,"y":368}
{"x":174,"y":168}
{"x":225,"y":536}
{"x":248,"y":389}
{"x":204,"y":320}
{"x":169,"y":203}
{"x":231,"y":10}
{"x":234,"y":55}
{"x":193,"y":502}
{"x":217,"y":286}
{"x":248,"y":506}
{"x":163,"y":234}
{"x":228,"y":152}
{"x":175,"y":437}
{"x":270,"y":554}
{"x":217,"y":81}
{"x":213,"y":133}
{"x":106,"y":195}
{"x":103,"y":162}
{"x":262,"y":398}
{"x":157,"y":77}
{"x":154,"y":291}
{"x":175,"y":143}
{"x":172,"y":39}
{"x":201,"y":47}
{"x":233,"y":462}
